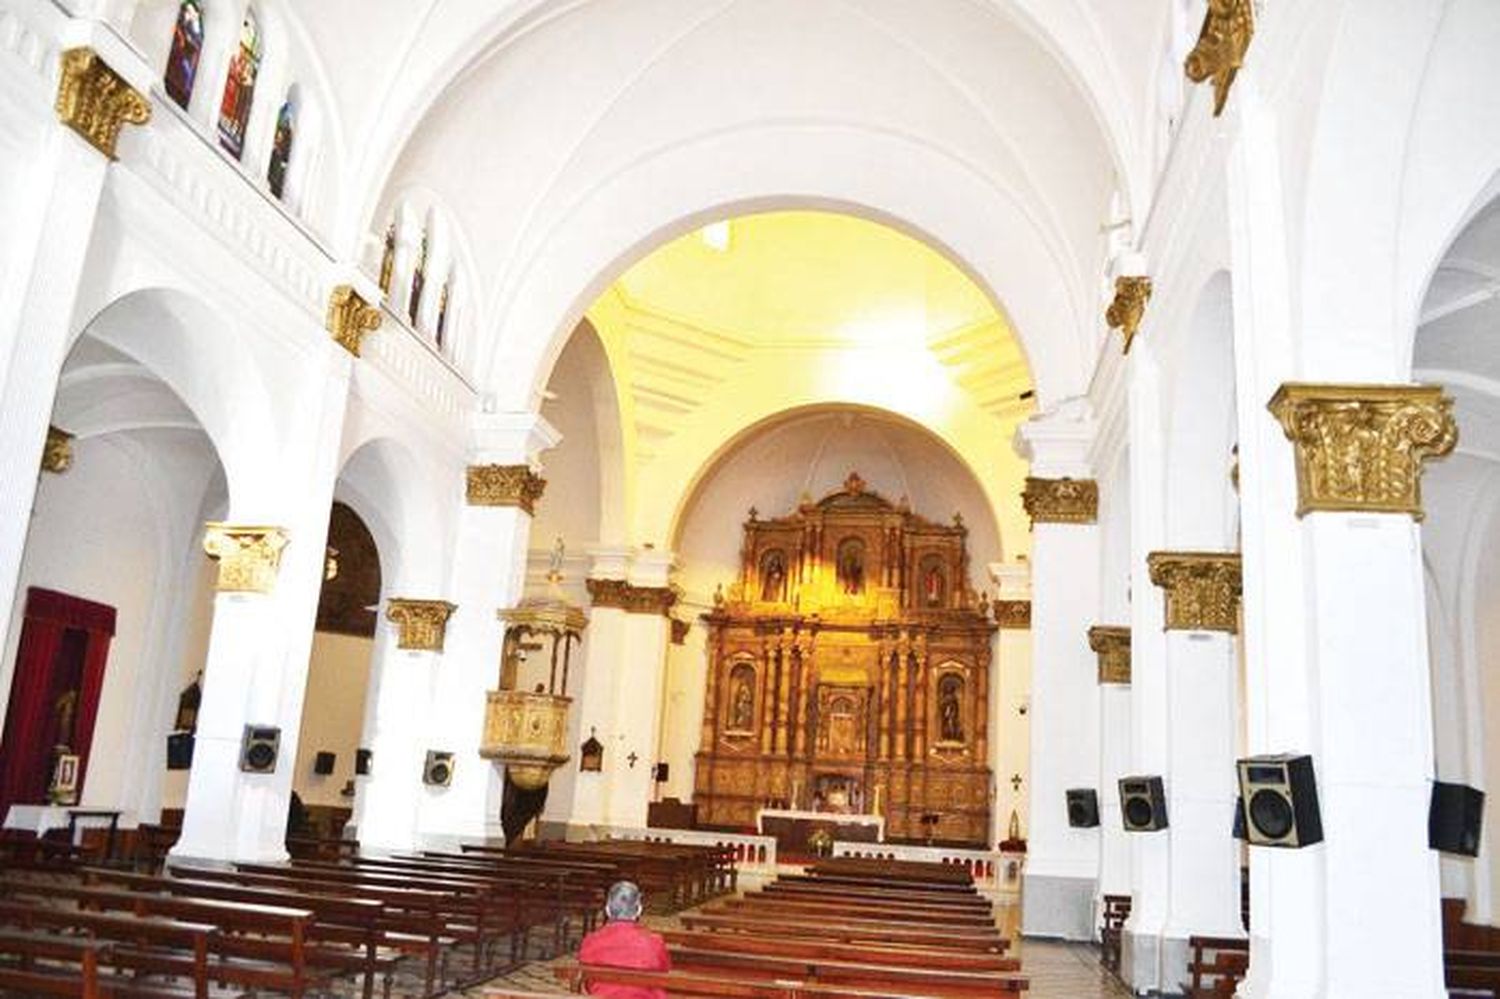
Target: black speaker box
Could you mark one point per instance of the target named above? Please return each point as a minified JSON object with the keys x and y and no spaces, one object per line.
{"x":660,"y":773}
{"x":362,"y":761}
{"x":1083,"y":807}
{"x":437,"y":770}
{"x":259,"y":748}
{"x":1455,"y":818}
{"x":323,"y":763}
{"x":180,"y":751}
{"x":1239,"y":819}
{"x":1143,"y":804}
{"x":1281,"y":801}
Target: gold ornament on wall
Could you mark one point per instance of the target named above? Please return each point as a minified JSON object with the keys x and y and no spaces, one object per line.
{"x":505,"y":485}
{"x":1228,"y":27}
{"x":1361,"y":447}
{"x":1112,"y":645}
{"x":350,"y":318}
{"x":1202,"y":589}
{"x":1014,"y":614}
{"x":1061,"y":501}
{"x":422,"y":624}
{"x":95,"y":101}
{"x":630,"y":598}
{"x":248,"y":556}
{"x":1129,"y":307}
{"x":57,"y":453}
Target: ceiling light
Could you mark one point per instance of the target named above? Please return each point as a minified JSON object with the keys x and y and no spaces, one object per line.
{"x":715,"y":236}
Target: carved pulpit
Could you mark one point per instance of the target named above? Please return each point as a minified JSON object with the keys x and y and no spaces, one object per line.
{"x":849,"y":672}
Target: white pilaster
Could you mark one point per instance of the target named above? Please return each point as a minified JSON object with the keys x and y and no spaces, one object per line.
{"x":396,"y":709}
{"x":1063,"y":862}
{"x":1010,"y":690}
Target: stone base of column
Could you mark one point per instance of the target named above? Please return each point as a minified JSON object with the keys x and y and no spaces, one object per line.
{"x":1057,"y":906}
{"x":1141,"y":962}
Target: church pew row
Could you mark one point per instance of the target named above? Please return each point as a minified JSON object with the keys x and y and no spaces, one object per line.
{"x":853,"y":895}
{"x":680,"y":874}
{"x":738,"y":983}
{"x":925,"y":874}
{"x":849,"y":932}
{"x":778,"y":944}
{"x":814,"y":907}
{"x":771,"y":912}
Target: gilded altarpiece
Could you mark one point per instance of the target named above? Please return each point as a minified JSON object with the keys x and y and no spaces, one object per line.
{"x":849,"y":672}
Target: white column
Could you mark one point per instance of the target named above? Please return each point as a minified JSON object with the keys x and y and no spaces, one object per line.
{"x":1114,"y":763}
{"x":256,"y":671}
{"x":1058,"y":894}
{"x":1010,"y":690}
{"x":639,"y":705}
{"x":396,"y":709}
{"x":489,"y":573}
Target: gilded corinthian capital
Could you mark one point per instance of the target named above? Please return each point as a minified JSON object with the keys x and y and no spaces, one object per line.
{"x":1112,"y":645}
{"x":1361,"y":447}
{"x":249,"y":556}
{"x":95,"y":101}
{"x":421,"y":624}
{"x":350,"y":318}
{"x":1227,"y":29}
{"x":1202,"y":589}
{"x":1061,"y":501}
{"x":1129,"y":306}
{"x":631,"y":598}
{"x":57,"y":453}
{"x":505,"y":485}
{"x":1014,"y":614}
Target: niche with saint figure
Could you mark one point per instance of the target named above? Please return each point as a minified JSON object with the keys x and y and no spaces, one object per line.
{"x":951,"y":708}
{"x":773,"y":576}
{"x":850,"y":564}
{"x":739,"y":701}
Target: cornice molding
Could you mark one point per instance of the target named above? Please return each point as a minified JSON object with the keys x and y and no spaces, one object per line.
{"x":633,"y":599}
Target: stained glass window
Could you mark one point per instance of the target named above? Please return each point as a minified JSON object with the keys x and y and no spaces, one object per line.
{"x":442,"y":316}
{"x":418,"y":281}
{"x":239,"y":88}
{"x":281,"y":146}
{"x":187,"y":45}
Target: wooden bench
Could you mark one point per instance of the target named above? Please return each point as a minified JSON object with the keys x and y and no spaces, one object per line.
{"x":1116,"y":909}
{"x":817,"y":907}
{"x":870,"y":953}
{"x":852,"y":932}
{"x":692,"y":985}
{"x":1217,"y":965}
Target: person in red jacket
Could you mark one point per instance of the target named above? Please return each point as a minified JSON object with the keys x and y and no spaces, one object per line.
{"x":622,"y":942}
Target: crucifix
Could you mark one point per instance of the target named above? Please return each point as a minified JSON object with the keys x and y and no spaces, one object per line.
{"x":1015,"y":783}
{"x":632,"y":758}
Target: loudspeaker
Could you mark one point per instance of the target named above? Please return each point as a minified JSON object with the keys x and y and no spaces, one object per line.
{"x":1281,"y":801}
{"x":323,"y":763}
{"x":1143,"y":804}
{"x":437,"y":771}
{"x":362,"y":760}
{"x":180,"y":751}
{"x":259,"y":748}
{"x":1454,"y":819}
{"x":660,"y":773}
{"x":1083,"y":807}
{"x":1239,"y":819}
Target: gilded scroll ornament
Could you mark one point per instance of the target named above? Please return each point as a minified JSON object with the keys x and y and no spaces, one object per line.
{"x":1061,"y":501}
{"x":248,"y":556}
{"x":527,"y":732}
{"x":1227,"y":29}
{"x":57,"y":453}
{"x":631,"y":598}
{"x":1014,"y":614}
{"x":95,"y":101}
{"x":1202,"y":589}
{"x":350,"y":318}
{"x":1112,"y":645}
{"x":1361,"y":447}
{"x":422,"y":624}
{"x":1129,"y":306}
{"x":505,"y":485}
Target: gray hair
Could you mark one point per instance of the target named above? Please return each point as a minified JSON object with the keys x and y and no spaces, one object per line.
{"x":623,"y":901}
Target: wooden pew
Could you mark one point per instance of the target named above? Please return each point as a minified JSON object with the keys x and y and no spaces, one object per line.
{"x":1112,"y":926}
{"x":1472,"y":973}
{"x":865,"y":953}
{"x":852,"y":931}
{"x":51,"y":965}
{"x":692,"y":985}
{"x":876,"y":976}
{"x":817,"y":907}
{"x":1217,"y":965}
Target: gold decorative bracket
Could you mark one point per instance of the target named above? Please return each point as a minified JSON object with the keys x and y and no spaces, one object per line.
{"x":1202,"y":589}
{"x":631,"y":598}
{"x":422,"y":624}
{"x":1013,"y":614}
{"x":350,"y":318}
{"x":95,"y":101}
{"x":1227,"y":29}
{"x":1129,"y":307}
{"x":1112,"y":645}
{"x":248,"y":556}
{"x":57,"y":453}
{"x":1361,"y":447}
{"x":505,"y":485}
{"x":1061,"y":501}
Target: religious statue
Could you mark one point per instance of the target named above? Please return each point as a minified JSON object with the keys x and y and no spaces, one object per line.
{"x":773,"y":578}
{"x":949,"y":710}
{"x":932,"y":585}
{"x":851,"y":567}
{"x":64,"y":713}
{"x":555,"y":562}
{"x":388,"y":259}
{"x":742,"y":704}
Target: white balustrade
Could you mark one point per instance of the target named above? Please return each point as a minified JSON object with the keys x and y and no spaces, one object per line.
{"x":754,"y":855}
{"x":994,"y":871}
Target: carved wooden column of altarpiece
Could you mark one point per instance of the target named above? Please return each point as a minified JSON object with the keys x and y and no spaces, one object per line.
{"x":849,"y":668}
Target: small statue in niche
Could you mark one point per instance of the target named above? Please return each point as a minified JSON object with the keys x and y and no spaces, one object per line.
{"x":851,"y":567}
{"x":64,"y":712}
{"x":742,"y":702}
{"x":932,"y":585}
{"x":773,"y":578}
{"x":188,"y":703}
{"x":950,"y":712}
{"x":388,"y":259}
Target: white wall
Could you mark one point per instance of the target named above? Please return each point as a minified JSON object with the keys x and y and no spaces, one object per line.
{"x":332,"y":715}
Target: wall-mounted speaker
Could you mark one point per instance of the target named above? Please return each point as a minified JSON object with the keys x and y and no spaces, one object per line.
{"x":1281,"y":801}
{"x":437,"y":771}
{"x":1083,"y":807}
{"x":180,"y":751}
{"x":1455,"y":818}
{"x":362,"y":760}
{"x":1239,"y":819}
{"x":259,"y":748}
{"x":323,"y":763}
{"x":660,"y":774}
{"x":1143,"y":804}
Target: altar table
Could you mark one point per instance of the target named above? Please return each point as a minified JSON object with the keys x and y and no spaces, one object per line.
{"x":40,"y":819}
{"x":792,"y":827}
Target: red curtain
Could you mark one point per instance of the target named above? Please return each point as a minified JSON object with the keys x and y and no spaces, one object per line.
{"x":64,"y":646}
